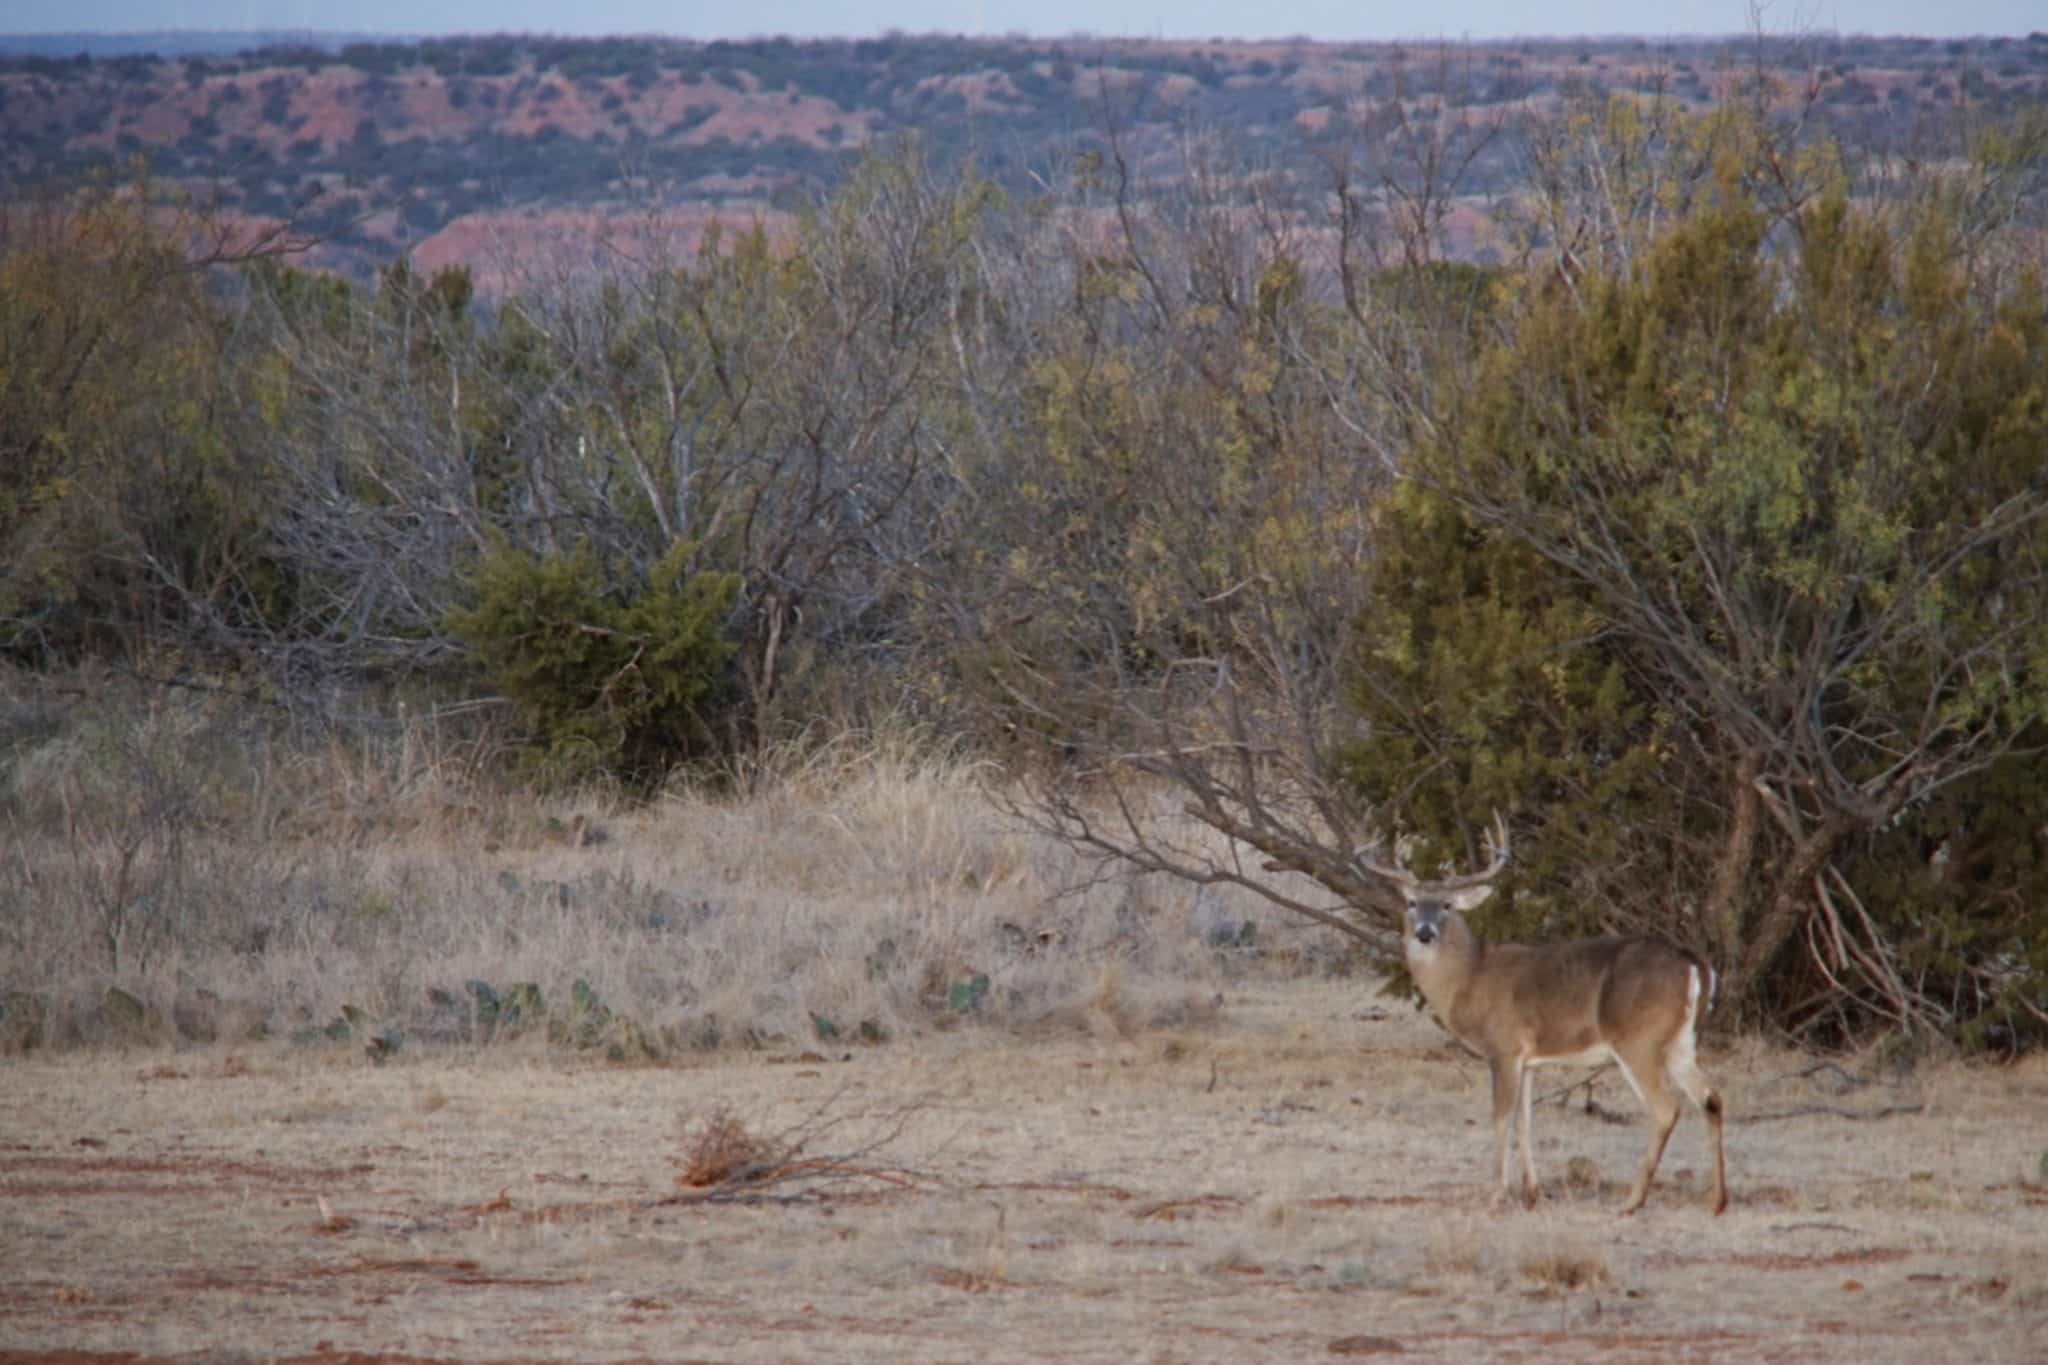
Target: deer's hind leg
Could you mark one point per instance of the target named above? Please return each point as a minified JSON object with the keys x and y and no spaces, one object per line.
{"x":1685,"y":1070}
{"x":1645,"y":1069}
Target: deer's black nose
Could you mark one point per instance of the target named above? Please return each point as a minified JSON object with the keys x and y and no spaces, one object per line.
{"x":1425,"y":933}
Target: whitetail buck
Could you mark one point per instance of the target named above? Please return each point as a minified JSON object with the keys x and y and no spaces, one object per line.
{"x":1633,"y":1001}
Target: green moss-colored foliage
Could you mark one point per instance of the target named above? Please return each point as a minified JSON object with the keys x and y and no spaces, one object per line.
{"x":1487,"y":690}
{"x":1963,"y":880}
{"x":1722,"y":575}
{"x":123,"y":500}
{"x":612,"y":675}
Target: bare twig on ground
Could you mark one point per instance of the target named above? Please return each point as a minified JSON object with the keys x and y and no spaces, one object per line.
{"x":724,"y":1161}
{"x":1593,"y":1107}
{"x":1812,"y":1110}
{"x":1841,"y":1080}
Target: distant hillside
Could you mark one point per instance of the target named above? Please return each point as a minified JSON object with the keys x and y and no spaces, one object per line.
{"x":170,"y":43}
{"x":443,"y":145}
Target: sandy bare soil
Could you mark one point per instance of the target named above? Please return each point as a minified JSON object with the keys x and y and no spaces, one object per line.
{"x":1302,"y":1178}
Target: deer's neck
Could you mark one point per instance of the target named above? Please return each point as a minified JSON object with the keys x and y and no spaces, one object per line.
{"x":1443,"y":974}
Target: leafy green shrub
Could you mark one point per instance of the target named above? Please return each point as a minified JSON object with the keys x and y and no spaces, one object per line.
{"x":117,"y":489}
{"x":611,"y":673}
{"x":1722,"y":574}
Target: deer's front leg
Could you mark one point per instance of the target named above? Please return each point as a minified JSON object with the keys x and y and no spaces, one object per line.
{"x":1507,"y":1092}
{"x":1525,"y":1090}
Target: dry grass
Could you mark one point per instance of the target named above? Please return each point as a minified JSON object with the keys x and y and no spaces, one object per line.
{"x":1456,"y":1248}
{"x":1566,"y":1267}
{"x":934,"y":1108}
{"x":1074,"y":1199}
{"x":235,"y":882}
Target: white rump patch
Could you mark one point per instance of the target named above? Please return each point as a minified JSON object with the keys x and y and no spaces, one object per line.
{"x":1684,"y":1046}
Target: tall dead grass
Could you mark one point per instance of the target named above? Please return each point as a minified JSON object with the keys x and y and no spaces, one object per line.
{"x":234,"y":874}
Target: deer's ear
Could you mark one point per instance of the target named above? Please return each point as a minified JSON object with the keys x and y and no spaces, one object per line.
{"x":1467,"y":897}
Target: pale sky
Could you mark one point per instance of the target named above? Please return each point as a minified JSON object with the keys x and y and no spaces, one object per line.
{"x":1324,"y":19}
